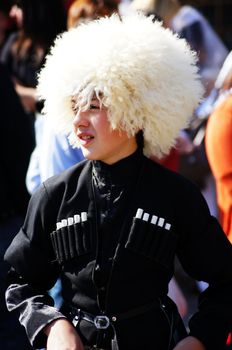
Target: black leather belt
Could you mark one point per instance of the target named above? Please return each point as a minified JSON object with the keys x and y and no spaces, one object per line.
{"x":103,"y":322}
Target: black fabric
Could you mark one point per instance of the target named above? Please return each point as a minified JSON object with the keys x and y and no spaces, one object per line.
{"x":25,"y":68}
{"x":129,"y":276}
{"x":16,"y":144}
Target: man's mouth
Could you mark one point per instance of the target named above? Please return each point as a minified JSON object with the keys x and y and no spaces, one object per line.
{"x":85,"y":138}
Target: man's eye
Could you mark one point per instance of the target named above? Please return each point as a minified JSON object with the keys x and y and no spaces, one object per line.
{"x":75,"y":110}
{"x":73,"y":106}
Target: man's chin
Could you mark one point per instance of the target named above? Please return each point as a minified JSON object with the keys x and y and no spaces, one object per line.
{"x":88,"y":155}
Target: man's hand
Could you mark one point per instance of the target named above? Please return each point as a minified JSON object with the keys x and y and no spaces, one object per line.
{"x":62,"y":336}
{"x":190,"y":343}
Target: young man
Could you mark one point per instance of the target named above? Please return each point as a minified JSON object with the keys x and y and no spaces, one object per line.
{"x":110,"y":226}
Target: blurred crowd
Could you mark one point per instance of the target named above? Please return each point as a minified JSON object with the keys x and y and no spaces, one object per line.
{"x":32,"y":151}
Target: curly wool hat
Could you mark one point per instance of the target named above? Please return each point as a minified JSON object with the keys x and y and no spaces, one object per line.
{"x":144,"y":74}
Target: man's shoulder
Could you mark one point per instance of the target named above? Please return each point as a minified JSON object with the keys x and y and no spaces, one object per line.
{"x":166,"y":178}
{"x":68,"y":177}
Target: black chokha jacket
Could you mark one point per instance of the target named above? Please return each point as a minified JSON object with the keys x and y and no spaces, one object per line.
{"x":111,"y":234}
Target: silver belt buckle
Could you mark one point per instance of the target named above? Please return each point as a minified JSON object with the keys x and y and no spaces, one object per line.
{"x":101,"y":322}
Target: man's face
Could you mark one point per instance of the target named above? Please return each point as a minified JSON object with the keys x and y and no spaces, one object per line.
{"x":97,"y":139}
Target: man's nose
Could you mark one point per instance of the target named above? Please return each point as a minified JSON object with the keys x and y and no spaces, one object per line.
{"x":80,"y":119}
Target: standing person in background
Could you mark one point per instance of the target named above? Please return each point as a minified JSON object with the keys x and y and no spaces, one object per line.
{"x":39,"y":22}
{"x":219,"y":151}
{"x":16,"y":145}
{"x":111,"y":226}
{"x":6,"y":25}
{"x":191,"y":25}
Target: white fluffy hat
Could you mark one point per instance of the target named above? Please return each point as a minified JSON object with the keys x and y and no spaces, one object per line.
{"x":146,"y":75}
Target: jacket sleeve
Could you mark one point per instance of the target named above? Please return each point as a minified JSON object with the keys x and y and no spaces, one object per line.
{"x":33,"y":269}
{"x":35,"y":311}
{"x":206,"y":255}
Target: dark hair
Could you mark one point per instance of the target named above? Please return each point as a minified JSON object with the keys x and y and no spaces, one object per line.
{"x":43,"y":20}
{"x":5,"y":6}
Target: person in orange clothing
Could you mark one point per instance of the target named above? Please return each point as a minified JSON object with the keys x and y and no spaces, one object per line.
{"x":219,"y":152}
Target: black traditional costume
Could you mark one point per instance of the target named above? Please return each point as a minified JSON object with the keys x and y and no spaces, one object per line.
{"x":115,"y":267}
